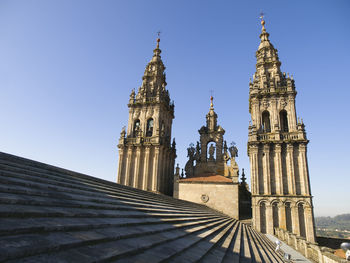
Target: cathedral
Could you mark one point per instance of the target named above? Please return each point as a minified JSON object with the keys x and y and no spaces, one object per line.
{"x":280,"y":194}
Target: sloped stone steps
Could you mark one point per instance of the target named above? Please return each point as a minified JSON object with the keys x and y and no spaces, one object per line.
{"x":49,"y":214}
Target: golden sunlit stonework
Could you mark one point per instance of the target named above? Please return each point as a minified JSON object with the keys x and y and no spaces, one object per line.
{"x":146,"y":153}
{"x":280,"y":197}
{"x":277,"y":146}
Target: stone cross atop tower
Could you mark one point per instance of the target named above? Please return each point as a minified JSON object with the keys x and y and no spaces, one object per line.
{"x":146,"y":154}
{"x":277,"y":149}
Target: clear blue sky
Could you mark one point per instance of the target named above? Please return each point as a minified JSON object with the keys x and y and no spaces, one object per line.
{"x":67,"y":69}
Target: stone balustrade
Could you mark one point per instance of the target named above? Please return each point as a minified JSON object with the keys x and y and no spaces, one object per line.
{"x":308,"y":249}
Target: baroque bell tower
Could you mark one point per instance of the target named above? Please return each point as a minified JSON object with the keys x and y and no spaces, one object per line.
{"x":146,"y":154}
{"x":277,"y":146}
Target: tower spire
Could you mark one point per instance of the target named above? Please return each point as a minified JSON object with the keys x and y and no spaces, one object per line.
{"x":154,"y":83}
{"x":264,"y":36}
{"x":262,"y":22}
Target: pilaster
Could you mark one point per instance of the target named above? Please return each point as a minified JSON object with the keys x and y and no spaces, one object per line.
{"x":304,"y":170}
{"x":309,"y":224}
{"x":290,"y":169}
{"x":278,"y":169}
{"x":269,"y":219}
{"x":121,"y":164}
{"x":146,"y":172}
{"x":266,"y":169}
{"x":155,"y":170}
{"x":282,"y":216}
{"x":295,"y":219}
{"x":292,"y":120}
{"x":253,"y":153}
{"x":128,"y":166}
{"x":137,"y":167}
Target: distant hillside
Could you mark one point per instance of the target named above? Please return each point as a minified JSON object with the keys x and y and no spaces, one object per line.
{"x":338,"y":226}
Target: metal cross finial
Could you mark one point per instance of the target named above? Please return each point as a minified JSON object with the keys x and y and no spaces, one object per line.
{"x":262,"y":15}
{"x":262,"y":21}
{"x":158,"y":39}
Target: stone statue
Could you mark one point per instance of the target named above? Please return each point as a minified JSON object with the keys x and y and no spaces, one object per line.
{"x":225,"y":146}
{"x":211,"y":152}
{"x":173,"y":144}
{"x":132,"y":95}
{"x":122,"y":133}
{"x":190,"y":152}
{"x":189,"y":164}
{"x":233,"y":150}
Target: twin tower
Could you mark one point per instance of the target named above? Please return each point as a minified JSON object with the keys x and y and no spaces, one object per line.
{"x":277,"y":144}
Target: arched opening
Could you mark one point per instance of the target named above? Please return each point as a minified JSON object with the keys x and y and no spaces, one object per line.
{"x":262,"y":217}
{"x":136,"y":127}
{"x":275,"y":215}
{"x":289,"y":217}
{"x":301,"y":220}
{"x":284,"y":121}
{"x":149,"y":128}
{"x":266,"y":127}
{"x":211,"y":151}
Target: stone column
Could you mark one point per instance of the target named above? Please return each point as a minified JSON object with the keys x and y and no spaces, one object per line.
{"x":253,"y":154}
{"x":295,"y":219}
{"x":278,"y":169}
{"x":165,"y":174}
{"x":146,"y":169}
{"x":290,"y":169}
{"x":257,"y":113}
{"x":128,"y":167}
{"x":137,"y":167}
{"x":282,"y":216}
{"x":155,"y":170}
{"x":269,"y":219}
{"x":256,"y":215}
{"x":160,"y":175}
{"x":309,"y":224}
{"x":304,"y":171}
{"x":266,"y":169}
{"x":120,"y":166}
{"x":292,"y":119}
{"x":130,"y":123}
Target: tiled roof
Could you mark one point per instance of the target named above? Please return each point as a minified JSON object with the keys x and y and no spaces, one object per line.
{"x":207,"y":177}
{"x":48,"y":214}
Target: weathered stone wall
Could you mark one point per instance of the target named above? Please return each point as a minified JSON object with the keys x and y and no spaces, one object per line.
{"x":222,"y":197}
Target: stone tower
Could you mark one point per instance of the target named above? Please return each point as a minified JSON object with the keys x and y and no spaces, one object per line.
{"x":146,"y":155}
{"x":277,"y":144}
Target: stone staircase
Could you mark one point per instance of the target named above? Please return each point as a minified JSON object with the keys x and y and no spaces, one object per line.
{"x":49,"y":214}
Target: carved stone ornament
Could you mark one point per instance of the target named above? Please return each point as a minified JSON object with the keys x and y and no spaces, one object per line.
{"x":150,"y":112}
{"x":204,"y":198}
{"x":283,"y":103}
{"x":137,"y":114}
{"x":265,"y":104}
